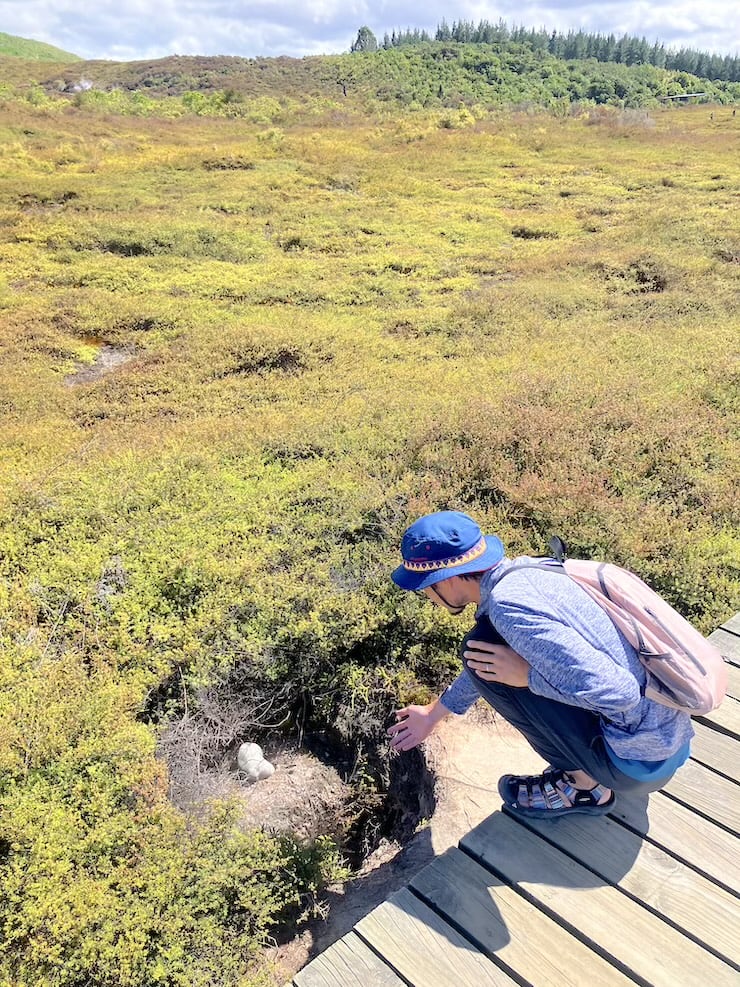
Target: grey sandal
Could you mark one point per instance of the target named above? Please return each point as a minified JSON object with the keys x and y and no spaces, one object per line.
{"x":541,"y":796}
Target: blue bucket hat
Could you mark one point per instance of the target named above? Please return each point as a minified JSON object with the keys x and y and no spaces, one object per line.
{"x":439,"y":546}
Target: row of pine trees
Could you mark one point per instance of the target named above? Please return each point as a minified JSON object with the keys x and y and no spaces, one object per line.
{"x":627,"y":50}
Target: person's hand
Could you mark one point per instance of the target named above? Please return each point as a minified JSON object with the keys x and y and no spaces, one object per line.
{"x":497,"y":663}
{"x":414,"y":724}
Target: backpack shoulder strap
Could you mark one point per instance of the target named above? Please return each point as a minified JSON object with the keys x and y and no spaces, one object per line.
{"x":558,"y":548}
{"x":543,"y":562}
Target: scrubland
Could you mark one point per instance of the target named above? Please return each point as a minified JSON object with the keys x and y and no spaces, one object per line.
{"x":332,"y":326}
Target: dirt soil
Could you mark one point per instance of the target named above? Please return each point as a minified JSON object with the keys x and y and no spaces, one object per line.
{"x":467,"y":755}
{"x":304,"y":796}
{"x":108,"y":358}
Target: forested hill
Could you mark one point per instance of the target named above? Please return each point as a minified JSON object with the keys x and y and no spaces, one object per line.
{"x":428,"y":74}
{"x":627,"y":49}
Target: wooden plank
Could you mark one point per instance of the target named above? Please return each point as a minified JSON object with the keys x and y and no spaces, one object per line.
{"x":704,"y":791}
{"x":733,"y":624}
{"x":501,"y":921}
{"x":693,"y":903}
{"x":733,"y":680}
{"x":727,"y":717}
{"x":728,"y":644}
{"x":423,"y":948}
{"x":347,"y":963}
{"x":684,"y":834}
{"x":639,"y":941}
{"x":716,"y":750}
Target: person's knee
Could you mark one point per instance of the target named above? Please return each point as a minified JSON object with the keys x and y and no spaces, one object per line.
{"x":482,"y":631}
{"x":486,"y":632}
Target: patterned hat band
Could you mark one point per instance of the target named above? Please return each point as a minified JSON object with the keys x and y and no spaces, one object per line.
{"x":472,"y":553}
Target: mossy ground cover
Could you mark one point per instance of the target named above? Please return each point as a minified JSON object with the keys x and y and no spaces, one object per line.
{"x":333,"y":326}
{"x":16,"y":47}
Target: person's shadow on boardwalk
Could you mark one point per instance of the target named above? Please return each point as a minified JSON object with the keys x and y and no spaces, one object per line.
{"x":500,"y":853}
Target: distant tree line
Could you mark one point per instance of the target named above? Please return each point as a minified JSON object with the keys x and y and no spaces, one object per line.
{"x":627,"y":50}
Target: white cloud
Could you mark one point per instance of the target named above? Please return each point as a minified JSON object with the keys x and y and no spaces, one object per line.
{"x":129,"y":29}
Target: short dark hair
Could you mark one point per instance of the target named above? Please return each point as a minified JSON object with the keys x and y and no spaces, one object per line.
{"x":473,"y":577}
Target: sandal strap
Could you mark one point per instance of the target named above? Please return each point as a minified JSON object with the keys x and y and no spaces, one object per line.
{"x":539,"y":792}
{"x":546,"y":791}
{"x":589,"y":796}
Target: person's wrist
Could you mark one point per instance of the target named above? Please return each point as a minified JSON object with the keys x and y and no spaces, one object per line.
{"x":437,"y":710}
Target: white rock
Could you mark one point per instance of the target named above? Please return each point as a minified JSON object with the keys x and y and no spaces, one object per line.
{"x":265,"y":770}
{"x":256,"y":772}
{"x":249,"y":756}
{"x":251,"y":761}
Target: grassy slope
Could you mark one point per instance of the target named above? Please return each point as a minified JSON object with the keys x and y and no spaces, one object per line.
{"x":32,"y":50}
{"x":358,"y":321}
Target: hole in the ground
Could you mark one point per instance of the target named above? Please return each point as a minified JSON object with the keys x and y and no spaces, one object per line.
{"x":321,"y":785}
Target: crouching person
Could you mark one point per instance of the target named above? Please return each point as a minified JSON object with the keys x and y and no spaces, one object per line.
{"x":549,"y":660}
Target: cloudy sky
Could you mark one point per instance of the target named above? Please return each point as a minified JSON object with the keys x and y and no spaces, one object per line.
{"x":137,"y":29}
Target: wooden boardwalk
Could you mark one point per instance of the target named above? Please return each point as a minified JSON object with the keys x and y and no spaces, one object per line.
{"x":647,"y":895}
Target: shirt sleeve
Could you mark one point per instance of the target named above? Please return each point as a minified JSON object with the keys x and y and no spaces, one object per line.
{"x":461,"y":695}
{"x":564,"y":664}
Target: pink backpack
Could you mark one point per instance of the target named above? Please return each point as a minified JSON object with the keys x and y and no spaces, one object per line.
{"x":684,"y":671}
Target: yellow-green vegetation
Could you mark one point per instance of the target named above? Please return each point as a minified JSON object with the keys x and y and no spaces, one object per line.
{"x":332,"y":326}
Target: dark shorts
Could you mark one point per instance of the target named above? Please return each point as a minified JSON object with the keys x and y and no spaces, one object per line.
{"x":567,"y":737}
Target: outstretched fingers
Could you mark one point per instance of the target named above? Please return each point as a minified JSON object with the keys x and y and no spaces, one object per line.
{"x":412,"y":726}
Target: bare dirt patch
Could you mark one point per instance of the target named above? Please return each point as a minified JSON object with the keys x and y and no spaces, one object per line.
{"x":109,"y":357}
{"x":304,"y":796}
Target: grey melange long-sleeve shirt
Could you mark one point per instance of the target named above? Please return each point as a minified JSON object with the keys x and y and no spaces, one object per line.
{"x":576,"y":656}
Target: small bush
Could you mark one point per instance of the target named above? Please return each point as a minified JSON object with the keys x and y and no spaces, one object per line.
{"x":292,"y":242}
{"x":730,"y":254}
{"x":649,"y":274}
{"x":644,"y":275}
{"x":229,"y":162}
{"x":527,"y":233}
{"x":31,"y":200}
{"x":273,"y":138}
{"x":260,"y":360}
{"x":457,"y":121}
